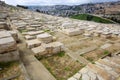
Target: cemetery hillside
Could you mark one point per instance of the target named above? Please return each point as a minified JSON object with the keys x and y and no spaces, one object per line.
{"x":39,"y":46}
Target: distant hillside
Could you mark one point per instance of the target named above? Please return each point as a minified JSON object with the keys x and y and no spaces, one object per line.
{"x":110,"y":10}
{"x":57,"y":10}
{"x":90,"y":18}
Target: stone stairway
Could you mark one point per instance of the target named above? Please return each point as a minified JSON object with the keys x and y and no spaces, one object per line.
{"x":103,"y":69}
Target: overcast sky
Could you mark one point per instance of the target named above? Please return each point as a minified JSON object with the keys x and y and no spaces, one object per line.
{"x":52,"y":2}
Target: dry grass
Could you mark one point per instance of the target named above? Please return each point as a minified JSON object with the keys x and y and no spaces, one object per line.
{"x":75,"y":43}
{"x":10,"y":69}
{"x":94,"y":55}
{"x":114,"y":48}
{"x":61,"y":67}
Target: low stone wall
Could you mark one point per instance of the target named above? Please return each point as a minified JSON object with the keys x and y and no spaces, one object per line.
{"x":10,"y":56}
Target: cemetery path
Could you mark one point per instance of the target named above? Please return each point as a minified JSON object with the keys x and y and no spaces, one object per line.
{"x":76,"y":56}
{"x":34,"y":68}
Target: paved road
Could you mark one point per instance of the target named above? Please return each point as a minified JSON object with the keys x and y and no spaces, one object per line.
{"x":35,"y":68}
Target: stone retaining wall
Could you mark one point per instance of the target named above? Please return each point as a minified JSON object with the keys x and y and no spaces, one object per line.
{"x":10,"y":56}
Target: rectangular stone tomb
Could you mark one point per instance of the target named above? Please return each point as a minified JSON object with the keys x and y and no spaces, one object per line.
{"x":7,"y":44}
{"x":39,"y":50}
{"x":33,"y":43}
{"x":31,"y":29}
{"x":33,"y":33}
{"x":72,"y":32}
{"x":28,"y":37}
{"x":56,"y":47}
{"x":87,"y":35}
{"x":45,"y":38}
{"x":51,"y":48}
{"x":4,"y":34}
{"x":106,"y":35}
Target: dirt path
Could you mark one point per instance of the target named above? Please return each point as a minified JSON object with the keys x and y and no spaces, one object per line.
{"x":35,"y":68}
{"x":76,"y":56}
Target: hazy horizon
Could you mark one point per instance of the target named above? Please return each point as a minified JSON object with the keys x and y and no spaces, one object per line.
{"x":53,"y":2}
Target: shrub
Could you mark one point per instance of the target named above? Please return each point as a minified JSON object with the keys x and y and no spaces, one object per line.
{"x":46,"y":30}
{"x":67,"y":68}
{"x":90,"y":59}
{"x":61,"y":54}
{"x":106,"y":52}
{"x":7,"y":64}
